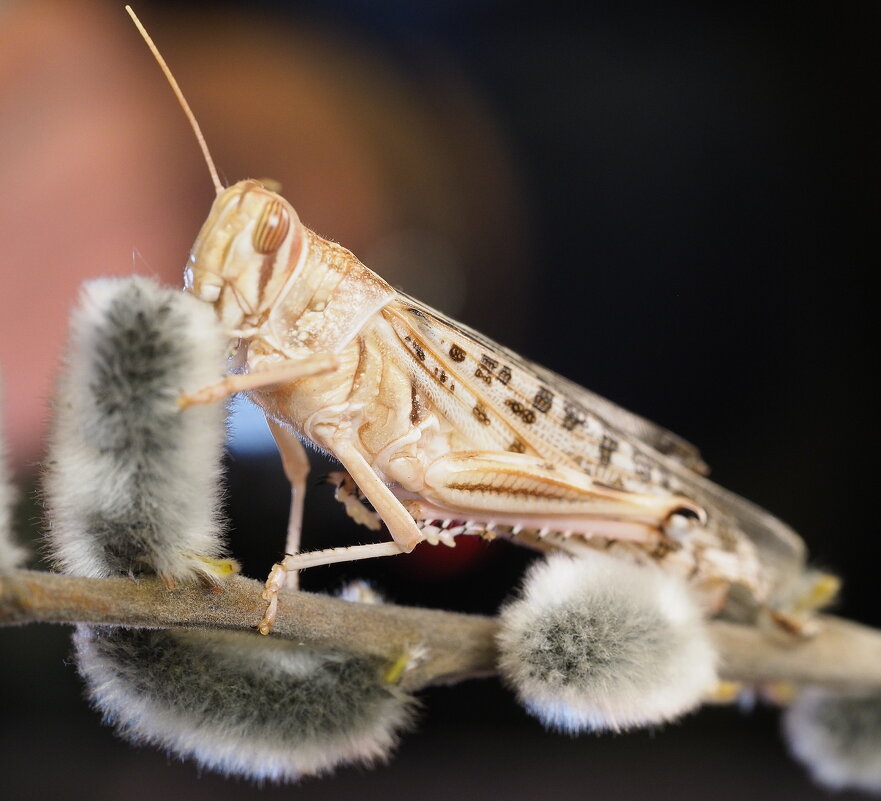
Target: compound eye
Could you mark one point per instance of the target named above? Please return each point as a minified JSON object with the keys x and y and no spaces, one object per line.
{"x":271,"y":228}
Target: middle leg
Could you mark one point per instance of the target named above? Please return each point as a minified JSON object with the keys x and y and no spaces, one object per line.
{"x":296,"y":467}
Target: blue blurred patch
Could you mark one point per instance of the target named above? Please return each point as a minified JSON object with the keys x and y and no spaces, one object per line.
{"x":248,"y":432}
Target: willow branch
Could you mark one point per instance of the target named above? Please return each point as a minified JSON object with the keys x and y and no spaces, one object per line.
{"x":843,"y":654}
{"x":458,"y":646}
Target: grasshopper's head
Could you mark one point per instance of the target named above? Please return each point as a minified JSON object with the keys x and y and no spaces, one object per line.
{"x":244,"y":254}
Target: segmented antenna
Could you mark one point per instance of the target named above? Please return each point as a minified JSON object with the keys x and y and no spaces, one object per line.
{"x":180,"y":99}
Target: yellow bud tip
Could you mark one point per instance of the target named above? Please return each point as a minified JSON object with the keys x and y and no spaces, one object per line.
{"x":825,"y":589}
{"x":397,"y":668}
{"x":223,"y":568}
{"x":724,"y":692}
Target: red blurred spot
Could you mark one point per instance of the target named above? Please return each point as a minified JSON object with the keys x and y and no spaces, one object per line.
{"x":438,"y":562}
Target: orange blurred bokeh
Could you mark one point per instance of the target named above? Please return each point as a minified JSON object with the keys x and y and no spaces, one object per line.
{"x":102,"y":175}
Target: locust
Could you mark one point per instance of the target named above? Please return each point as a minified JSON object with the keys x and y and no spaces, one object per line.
{"x":446,"y":433}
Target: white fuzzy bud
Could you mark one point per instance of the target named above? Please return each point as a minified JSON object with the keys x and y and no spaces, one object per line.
{"x":596,"y":643}
{"x":131,"y":479}
{"x":360,"y":591}
{"x":837,"y":736}
{"x":242,"y":704}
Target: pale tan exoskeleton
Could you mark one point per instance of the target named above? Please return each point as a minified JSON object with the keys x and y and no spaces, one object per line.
{"x":445,"y":432}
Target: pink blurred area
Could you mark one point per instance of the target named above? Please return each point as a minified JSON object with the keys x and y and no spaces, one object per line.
{"x":102,"y":176}
{"x":78,"y":141}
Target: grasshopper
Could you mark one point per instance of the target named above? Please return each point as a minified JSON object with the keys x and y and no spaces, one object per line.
{"x":444,"y":432}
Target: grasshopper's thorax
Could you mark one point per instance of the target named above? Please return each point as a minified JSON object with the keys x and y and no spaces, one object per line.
{"x":329,"y":300}
{"x":245,"y":254}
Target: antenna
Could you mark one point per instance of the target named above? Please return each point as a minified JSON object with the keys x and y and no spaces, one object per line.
{"x":180,"y":99}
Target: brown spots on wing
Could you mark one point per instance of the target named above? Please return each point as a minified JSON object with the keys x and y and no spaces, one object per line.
{"x":573,"y":417}
{"x":417,"y":348}
{"x":543,"y":400}
{"x":608,"y":445}
{"x":483,"y":375}
{"x":642,"y":466}
{"x":479,"y":412}
{"x":517,"y":408}
{"x":457,"y":354}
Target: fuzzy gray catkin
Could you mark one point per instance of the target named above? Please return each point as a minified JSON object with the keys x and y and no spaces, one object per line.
{"x":133,"y":481}
{"x":12,"y":555}
{"x":242,"y":704}
{"x":595,"y":643}
{"x":837,"y":736}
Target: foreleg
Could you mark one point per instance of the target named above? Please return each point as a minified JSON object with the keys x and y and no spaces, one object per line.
{"x":272,"y":375}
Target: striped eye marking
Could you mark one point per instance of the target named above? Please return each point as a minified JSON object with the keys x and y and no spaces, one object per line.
{"x":271,"y":228}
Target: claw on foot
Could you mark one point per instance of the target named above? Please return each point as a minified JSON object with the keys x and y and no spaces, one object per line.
{"x":198,"y":398}
{"x":274,"y":583}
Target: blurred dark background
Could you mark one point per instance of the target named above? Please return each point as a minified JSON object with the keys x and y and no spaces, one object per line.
{"x":672,"y":205}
